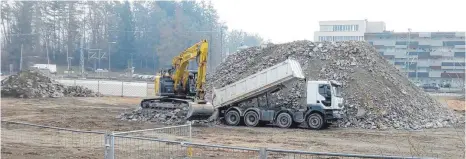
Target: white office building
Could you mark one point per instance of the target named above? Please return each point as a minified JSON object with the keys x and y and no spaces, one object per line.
{"x":344,"y":30}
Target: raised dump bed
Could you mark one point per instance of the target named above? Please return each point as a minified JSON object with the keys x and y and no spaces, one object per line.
{"x":258,"y":83}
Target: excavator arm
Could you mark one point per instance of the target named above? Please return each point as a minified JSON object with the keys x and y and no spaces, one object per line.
{"x":180,"y":63}
{"x":174,"y":86}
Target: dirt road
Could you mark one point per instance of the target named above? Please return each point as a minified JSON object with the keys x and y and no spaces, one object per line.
{"x":100,"y":114}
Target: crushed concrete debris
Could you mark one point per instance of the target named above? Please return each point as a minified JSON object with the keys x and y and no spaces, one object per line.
{"x":164,"y":116}
{"x":34,"y":84}
{"x":377,"y":95}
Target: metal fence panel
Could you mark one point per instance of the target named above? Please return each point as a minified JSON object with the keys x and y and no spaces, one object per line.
{"x":296,"y":154}
{"x":178,"y":132}
{"x":208,"y":151}
{"x":37,"y":141}
{"x":127,"y":147}
{"x":141,"y":148}
{"x":112,"y":88}
{"x":134,"y":89}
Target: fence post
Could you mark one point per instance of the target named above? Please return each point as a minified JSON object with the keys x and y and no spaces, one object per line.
{"x":263,"y":153}
{"x":122,"y":89}
{"x":190,"y":131}
{"x":98,"y":86}
{"x":112,"y":146}
{"x":106,"y":146}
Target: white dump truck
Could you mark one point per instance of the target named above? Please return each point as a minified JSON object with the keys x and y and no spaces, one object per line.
{"x":323,"y":102}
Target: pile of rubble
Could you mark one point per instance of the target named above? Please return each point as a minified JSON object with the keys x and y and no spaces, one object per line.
{"x":164,"y":116}
{"x":34,"y":84}
{"x":377,"y":95}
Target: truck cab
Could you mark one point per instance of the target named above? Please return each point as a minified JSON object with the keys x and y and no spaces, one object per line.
{"x":324,"y":103}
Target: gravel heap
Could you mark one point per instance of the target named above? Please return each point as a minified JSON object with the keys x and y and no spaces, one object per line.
{"x":34,"y":84}
{"x":164,"y":116}
{"x":377,"y":95}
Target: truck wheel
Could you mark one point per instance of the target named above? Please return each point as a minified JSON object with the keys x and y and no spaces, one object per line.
{"x":315,"y":121}
{"x":251,"y":118}
{"x":232,"y":118}
{"x":284,"y":120}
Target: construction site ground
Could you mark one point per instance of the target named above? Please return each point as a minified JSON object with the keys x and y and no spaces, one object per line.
{"x":100,"y":114}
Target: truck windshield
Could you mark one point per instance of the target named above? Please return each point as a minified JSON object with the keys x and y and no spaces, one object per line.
{"x":336,"y":90}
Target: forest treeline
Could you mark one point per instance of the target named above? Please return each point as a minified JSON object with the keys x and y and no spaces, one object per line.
{"x":143,"y":34}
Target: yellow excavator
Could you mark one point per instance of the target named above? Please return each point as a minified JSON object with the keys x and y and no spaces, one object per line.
{"x":178,"y":87}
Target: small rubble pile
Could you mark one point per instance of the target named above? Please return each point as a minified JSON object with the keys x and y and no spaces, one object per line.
{"x":164,"y":116}
{"x":377,"y":95}
{"x":33,"y":84}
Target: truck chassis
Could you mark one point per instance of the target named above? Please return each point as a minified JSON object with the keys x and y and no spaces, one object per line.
{"x":313,"y":116}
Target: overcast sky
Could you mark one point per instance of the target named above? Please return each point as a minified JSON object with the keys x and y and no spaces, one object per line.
{"x":289,"y":20}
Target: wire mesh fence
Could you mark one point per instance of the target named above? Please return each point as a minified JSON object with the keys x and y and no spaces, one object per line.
{"x":296,"y":154}
{"x":38,"y":141}
{"x":114,"y":88}
{"x":139,"y":148}
{"x":209,"y":151}
{"x":178,"y":132}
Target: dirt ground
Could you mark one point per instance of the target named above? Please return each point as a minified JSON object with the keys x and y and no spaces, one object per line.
{"x":100,"y":114}
{"x":455,"y":103}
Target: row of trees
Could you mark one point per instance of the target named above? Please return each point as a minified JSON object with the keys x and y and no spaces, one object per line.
{"x":142,"y":34}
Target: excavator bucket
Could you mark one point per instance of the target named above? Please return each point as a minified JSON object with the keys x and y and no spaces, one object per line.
{"x":198,"y":111}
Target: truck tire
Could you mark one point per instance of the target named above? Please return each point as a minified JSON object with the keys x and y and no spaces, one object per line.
{"x":251,"y":118}
{"x":284,"y":120}
{"x":315,"y":121}
{"x":232,"y":118}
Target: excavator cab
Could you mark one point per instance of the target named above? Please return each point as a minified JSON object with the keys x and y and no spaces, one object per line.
{"x":164,"y":85}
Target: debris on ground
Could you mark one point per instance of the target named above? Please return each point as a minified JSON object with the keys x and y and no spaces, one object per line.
{"x":164,"y":116}
{"x":167,"y":116}
{"x":34,"y":84}
{"x":376,"y":94}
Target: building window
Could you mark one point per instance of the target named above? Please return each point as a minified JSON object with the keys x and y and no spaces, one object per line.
{"x":326,"y":28}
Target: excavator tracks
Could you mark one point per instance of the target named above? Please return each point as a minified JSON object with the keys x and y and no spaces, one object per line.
{"x":196,"y":111}
{"x":164,"y":103}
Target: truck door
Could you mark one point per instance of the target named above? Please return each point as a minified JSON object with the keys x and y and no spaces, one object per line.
{"x":324,"y":91}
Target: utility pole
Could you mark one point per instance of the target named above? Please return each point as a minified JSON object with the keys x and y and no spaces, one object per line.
{"x":417,"y":61}
{"x":221,"y":44}
{"x":99,"y":58}
{"x":407,"y":63}
{"x":109,"y":53}
{"x":21,"y":59}
{"x":67,"y":59}
{"x":47,"y":51}
{"x":82,"y":55}
{"x":210,"y":48}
